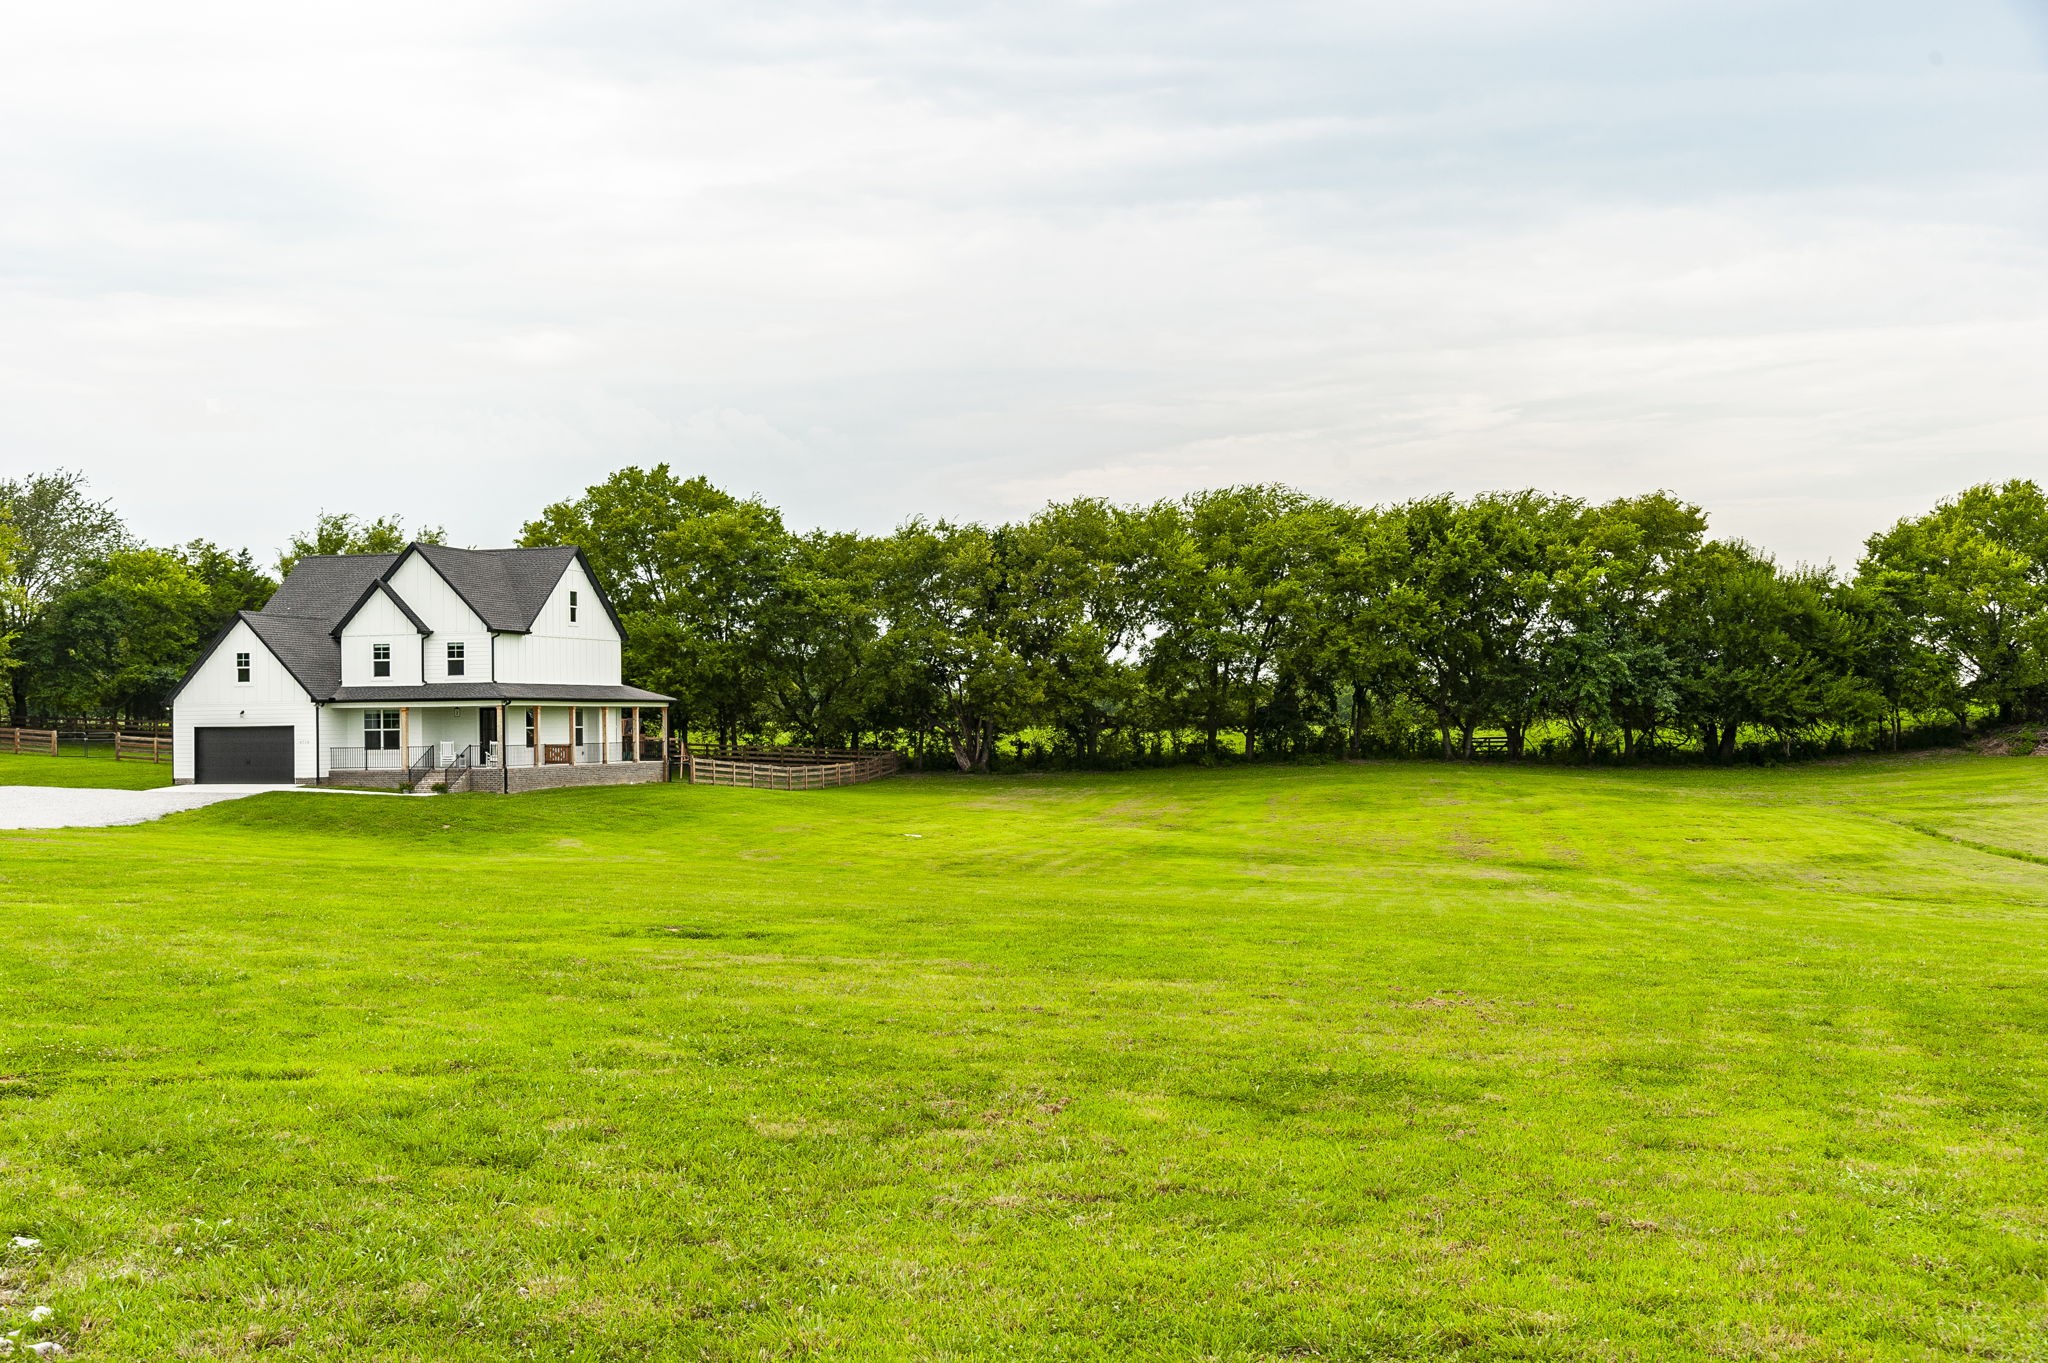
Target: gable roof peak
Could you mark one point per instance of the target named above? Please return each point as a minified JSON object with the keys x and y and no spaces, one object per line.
{"x":506,"y":588}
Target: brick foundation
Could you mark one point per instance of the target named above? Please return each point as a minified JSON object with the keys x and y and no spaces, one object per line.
{"x":515,"y":781}
{"x":392,"y":779}
{"x":584,"y":774}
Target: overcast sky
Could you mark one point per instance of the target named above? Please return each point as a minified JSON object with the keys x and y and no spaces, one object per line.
{"x":457,"y":260}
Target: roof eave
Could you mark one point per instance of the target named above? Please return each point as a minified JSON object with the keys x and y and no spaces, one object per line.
{"x":604,"y":598}
{"x":378,"y":584}
{"x":417,"y":548}
{"x":210,"y":649}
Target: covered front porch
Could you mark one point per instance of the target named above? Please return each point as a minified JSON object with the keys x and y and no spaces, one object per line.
{"x":510,"y":745}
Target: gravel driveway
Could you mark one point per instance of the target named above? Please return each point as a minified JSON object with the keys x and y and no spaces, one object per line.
{"x":81,"y":807}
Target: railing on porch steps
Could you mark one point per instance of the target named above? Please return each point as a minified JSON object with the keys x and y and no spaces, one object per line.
{"x":422,"y":767}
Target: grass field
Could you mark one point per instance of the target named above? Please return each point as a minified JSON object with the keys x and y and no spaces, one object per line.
{"x":71,"y":769}
{"x":1401,"y":1061}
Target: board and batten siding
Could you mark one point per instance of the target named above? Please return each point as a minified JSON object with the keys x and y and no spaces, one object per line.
{"x":380,"y":621}
{"x":450,"y":619}
{"x":557,"y":651}
{"x":270,"y":696}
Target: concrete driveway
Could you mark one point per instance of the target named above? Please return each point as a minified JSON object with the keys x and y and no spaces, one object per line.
{"x":79,"y":807}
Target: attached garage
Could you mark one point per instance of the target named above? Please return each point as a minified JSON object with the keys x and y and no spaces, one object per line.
{"x":252,"y":756}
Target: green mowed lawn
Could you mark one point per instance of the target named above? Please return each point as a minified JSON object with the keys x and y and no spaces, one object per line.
{"x":73,"y":769}
{"x":1396,"y":1060}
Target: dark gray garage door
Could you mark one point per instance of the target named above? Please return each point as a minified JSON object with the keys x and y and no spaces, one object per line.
{"x":243,"y":757}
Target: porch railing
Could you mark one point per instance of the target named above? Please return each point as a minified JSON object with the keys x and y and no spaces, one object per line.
{"x":490,"y":755}
{"x":388,"y":759}
{"x":618,"y":750}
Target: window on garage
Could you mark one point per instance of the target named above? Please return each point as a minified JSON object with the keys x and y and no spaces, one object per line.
{"x":241,"y":667}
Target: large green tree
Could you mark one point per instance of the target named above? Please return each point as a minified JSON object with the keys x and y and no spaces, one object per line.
{"x":120,"y":640}
{"x":820,"y":638}
{"x":1082,"y":617}
{"x":1606,"y":665}
{"x":1227,"y":574}
{"x":1479,"y":575}
{"x":10,"y":597}
{"x":1891,"y":652}
{"x":692,"y":570}
{"x":954,"y":649}
{"x":342,"y":533}
{"x":59,"y":531}
{"x":1350,"y":646}
{"x":1760,"y":646}
{"x":1972,"y":576}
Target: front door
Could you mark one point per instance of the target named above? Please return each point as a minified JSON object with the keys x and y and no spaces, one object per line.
{"x":487,"y":728}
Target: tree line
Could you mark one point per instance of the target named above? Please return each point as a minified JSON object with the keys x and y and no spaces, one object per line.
{"x":95,"y":623}
{"x":1259,"y":620}
{"x":1240,"y":622}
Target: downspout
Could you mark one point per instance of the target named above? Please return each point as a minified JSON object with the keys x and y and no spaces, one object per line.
{"x":504,"y":764}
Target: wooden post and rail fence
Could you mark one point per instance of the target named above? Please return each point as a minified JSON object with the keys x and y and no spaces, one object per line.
{"x":127,"y":747}
{"x":29,"y":740}
{"x":783,"y":768}
{"x":141,"y":748}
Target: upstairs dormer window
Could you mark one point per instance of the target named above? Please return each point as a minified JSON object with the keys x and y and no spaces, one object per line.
{"x":241,"y":667}
{"x":380,"y":660}
{"x":455,"y":660}
{"x":572,"y":607}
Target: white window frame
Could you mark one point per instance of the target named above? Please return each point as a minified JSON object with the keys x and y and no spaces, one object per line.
{"x":572,"y":605}
{"x":380,"y":660}
{"x":457,"y":660}
{"x":383,"y":723}
{"x":243,"y":671}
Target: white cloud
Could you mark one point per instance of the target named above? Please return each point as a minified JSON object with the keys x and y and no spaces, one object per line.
{"x":457,"y":261}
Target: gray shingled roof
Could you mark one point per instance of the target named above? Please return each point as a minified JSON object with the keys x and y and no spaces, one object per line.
{"x":327,"y":586}
{"x":487,"y":690}
{"x":506,"y":587}
{"x":395,"y":599}
{"x":304,"y":645}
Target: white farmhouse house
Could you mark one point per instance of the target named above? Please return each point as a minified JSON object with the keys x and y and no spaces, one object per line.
{"x":480,"y":669}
